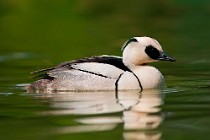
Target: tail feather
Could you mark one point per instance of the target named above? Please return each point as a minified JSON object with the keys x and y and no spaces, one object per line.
{"x":40,"y":85}
{"x":42,"y":70}
{"x":42,"y":74}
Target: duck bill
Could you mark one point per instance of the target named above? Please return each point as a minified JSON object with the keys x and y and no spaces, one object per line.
{"x":165,"y":57}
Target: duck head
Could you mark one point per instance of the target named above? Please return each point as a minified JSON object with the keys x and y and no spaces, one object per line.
{"x":142,"y":50}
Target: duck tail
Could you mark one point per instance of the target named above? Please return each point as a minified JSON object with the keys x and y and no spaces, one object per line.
{"x":38,"y":86}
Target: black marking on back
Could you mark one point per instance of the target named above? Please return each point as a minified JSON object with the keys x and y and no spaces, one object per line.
{"x":152,"y":52}
{"x":98,"y":74}
{"x":44,"y":76}
{"x":111,"y":60}
{"x":128,"y":42}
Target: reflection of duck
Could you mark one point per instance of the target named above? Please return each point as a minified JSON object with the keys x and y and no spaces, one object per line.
{"x":139,"y":110}
{"x":146,"y":113}
{"x":108,"y":72}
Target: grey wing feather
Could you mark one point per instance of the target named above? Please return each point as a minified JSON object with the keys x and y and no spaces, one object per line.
{"x":51,"y":73}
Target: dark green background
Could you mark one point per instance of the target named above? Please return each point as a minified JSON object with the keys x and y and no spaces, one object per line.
{"x":35,"y":34}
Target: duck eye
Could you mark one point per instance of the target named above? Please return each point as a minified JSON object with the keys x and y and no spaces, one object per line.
{"x":128,"y":42}
{"x":152,"y":52}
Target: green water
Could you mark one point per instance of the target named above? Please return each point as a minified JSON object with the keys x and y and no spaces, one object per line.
{"x":36,"y":34}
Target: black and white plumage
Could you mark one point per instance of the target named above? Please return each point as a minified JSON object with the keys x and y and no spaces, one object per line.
{"x":107,"y":72}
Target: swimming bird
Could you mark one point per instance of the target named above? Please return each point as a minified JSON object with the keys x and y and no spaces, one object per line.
{"x":98,"y":73}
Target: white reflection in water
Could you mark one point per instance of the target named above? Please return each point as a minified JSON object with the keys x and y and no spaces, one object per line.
{"x":86,"y":128}
{"x":136,"y":111}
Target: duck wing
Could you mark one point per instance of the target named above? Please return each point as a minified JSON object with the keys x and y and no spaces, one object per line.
{"x":104,"y":59}
{"x":103,"y":66}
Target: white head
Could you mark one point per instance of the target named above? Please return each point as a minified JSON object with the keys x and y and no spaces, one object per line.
{"x":141,"y":50}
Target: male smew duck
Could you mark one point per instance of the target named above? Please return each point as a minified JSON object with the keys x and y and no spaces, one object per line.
{"x":129,"y":72}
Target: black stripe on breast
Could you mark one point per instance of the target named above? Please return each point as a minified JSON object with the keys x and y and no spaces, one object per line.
{"x":141,"y":88}
{"x":116,"y":83}
{"x":116,"y":86}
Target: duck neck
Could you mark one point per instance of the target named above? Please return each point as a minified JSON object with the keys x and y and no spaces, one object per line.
{"x":132,"y":63}
{"x":132,"y":66}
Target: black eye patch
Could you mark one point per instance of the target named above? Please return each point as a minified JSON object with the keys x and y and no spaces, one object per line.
{"x":152,"y":52}
{"x":128,"y":42}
